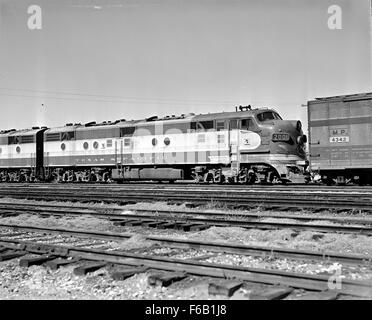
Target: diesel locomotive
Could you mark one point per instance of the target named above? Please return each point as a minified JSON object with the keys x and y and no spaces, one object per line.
{"x":245,"y":146}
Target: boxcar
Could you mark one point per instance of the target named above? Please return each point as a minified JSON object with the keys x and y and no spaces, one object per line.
{"x":340,"y":131}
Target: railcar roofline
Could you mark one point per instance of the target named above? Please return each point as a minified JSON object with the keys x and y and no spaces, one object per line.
{"x":350,"y":97}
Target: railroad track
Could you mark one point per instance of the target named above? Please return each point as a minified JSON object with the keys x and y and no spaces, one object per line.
{"x":242,"y":199}
{"x":189,"y":220}
{"x":182,"y":185}
{"x":13,"y":248}
{"x":22,"y":230}
{"x":116,"y":212}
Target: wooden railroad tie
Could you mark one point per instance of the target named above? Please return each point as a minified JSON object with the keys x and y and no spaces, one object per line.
{"x":224,"y":287}
{"x":184,"y":226}
{"x":59,"y":262}
{"x":152,"y":224}
{"x":167,"y":225}
{"x":272,"y":293}
{"x":89,"y":267}
{"x":3,"y":249}
{"x":324,"y":295}
{"x":122,"y":273}
{"x":199,"y":227}
{"x":11,"y":255}
{"x":165,"y":279}
{"x":133,"y":223}
{"x":35,"y":261}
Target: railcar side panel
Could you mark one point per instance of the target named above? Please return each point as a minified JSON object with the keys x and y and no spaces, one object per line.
{"x":172,"y":149}
{"x":340,"y":130}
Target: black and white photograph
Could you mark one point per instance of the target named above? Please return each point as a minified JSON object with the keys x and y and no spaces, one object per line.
{"x":185,"y":154}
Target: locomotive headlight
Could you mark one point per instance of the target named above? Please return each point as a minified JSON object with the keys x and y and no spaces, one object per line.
{"x":302,"y":139}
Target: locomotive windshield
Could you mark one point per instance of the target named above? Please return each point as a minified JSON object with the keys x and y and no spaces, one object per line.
{"x":268,"y":116}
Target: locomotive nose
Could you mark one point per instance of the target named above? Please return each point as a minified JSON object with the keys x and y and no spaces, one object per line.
{"x":298,"y":133}
{"x":291,"y":130}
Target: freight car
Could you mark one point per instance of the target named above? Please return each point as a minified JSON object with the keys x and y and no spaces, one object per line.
{"x":236,"y":147}
{"x":340,"y":131}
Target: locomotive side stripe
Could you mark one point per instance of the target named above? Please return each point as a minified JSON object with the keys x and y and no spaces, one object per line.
{"x":17,"y":163}
{"x":180,"y":158}
{"x":339,"y":122}
{"x":332,"y":153}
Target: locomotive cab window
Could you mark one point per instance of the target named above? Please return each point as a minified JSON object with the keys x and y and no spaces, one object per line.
{"x":66,"y":136}
{"x":202,"y":126}
{"x":127,"y":131}
{"x":247,"y":124}
{"x":268,"y":116}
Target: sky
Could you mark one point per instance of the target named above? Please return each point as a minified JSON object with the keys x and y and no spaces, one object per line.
{"x":102,"y":60}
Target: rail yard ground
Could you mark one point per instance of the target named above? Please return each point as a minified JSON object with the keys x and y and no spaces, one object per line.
{"x":39,"y":282}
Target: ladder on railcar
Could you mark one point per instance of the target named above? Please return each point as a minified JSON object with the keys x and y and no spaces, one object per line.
{"x":119,"y":165}
{"x":235,"y":155}
{"x":46,"y":165}
{"x":33,"y":163}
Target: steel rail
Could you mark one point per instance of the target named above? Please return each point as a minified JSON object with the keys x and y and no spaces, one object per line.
{"x":248,"y":200}
{"x":214,"y":246}
{"x":61,"y":209}
{"x":229,"y":222}
{"x":293,"y":187}
{"x":157,"y":188}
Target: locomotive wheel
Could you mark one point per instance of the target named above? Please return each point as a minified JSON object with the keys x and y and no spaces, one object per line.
{"x":329,"y":181}
{"x":198,"y":178}
{"x":251,"y":179}
{"x":21,"y":178}
{"x":93,"y":178}
{"x":208,"y":177}
{"x":106,"y":177}
{"x":271,"y":177}
{"x":222,"y":180}
{"x":231,"y":180}
{"x":65,"y":177}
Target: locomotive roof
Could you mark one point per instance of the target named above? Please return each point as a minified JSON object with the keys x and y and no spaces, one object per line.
{"x":90,"y":126}
{"x":23,"y":132}
{"x":350,"y":97}
{"x":123,"y":123}
{"x":173,"y":119}
{"x":62,"y":129}
{"x":230,"y":115}
{"x":111,"y":125}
